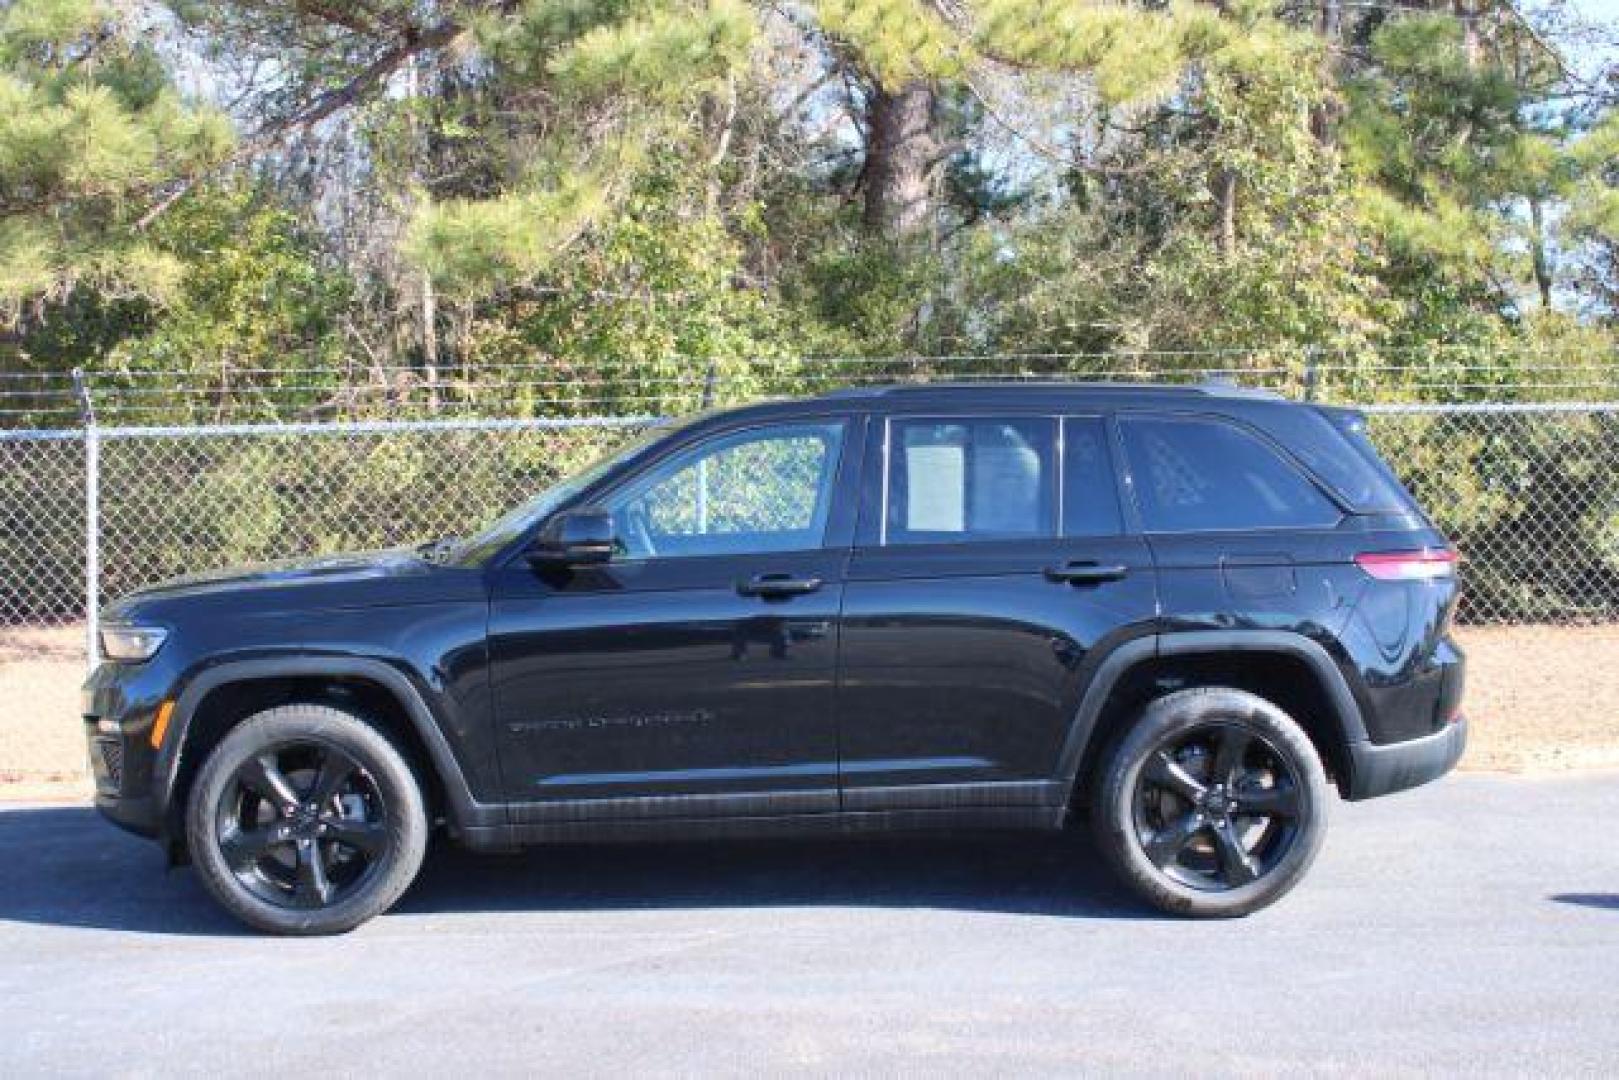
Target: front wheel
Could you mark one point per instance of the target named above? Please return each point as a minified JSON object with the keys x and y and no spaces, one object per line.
{"x":306,"y":820}
{"x":1213,"y":804}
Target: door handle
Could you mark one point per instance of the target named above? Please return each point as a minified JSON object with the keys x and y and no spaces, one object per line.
{"x":1085,"y":573}
{"x":769,"y":585}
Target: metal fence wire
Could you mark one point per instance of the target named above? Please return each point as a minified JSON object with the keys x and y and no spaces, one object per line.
{"x":1530,"y":493}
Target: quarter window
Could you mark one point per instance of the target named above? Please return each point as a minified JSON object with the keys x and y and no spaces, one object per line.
{"x":980,"y":479}
{"x":1193,"y":474}
{"x":761,"y":490}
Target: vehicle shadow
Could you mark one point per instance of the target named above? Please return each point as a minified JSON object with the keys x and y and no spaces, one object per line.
{"x":67,"y":867}
{"x":1609,"y":901}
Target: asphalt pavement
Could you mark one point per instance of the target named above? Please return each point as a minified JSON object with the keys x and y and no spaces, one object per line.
{"x":1469,"y":927}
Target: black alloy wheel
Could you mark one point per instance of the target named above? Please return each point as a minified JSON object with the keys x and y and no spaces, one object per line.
{"x":306,"y":819}
{"x":302,"y":825}
{"x":1212,"y":803}
{"x":1216,"y":807}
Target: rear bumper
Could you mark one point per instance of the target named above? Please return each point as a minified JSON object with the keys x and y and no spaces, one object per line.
{"x":1384,"y":769}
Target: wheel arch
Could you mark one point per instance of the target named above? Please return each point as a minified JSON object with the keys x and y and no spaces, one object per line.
{"x":222,"y":696}
{"x":1293,"y":671}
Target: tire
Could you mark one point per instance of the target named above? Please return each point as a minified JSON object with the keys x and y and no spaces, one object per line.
{"x":306,"y":820}
{"x":1167,"y":811}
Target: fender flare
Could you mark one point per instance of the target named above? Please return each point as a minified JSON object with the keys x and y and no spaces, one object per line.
{"x":464,"y":811}
{"x":1344,"y":711}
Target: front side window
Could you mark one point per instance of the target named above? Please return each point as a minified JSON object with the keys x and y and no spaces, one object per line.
{"x":760,"y":490}
{"x":1196,"y":474}
{"x":969,"y":479}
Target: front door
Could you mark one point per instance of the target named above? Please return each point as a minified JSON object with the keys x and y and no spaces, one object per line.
{"x":992,"y":558}
{"x":692,"y":675}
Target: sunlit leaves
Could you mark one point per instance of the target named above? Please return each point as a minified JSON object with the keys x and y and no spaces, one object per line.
{"x":89,"y":136}
{"x":1133,"y":53}
{"x":671,"y":53}
{"x":474,"y":246}
{"x":896,"y":40}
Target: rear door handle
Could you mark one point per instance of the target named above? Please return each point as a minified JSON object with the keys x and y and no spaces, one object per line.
{"x":1085,"y":573}
{"x":768,"y":585}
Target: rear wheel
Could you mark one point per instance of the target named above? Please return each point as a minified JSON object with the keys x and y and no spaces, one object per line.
{"x":306,"y":820}
{"x":1213,"y":804}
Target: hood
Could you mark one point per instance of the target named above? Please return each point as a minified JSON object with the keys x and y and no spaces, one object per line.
{"x":362,"y":579}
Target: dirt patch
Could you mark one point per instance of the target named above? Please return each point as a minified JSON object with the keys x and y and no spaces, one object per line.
{"x":1542,"y":697}
{"x":1538,"y":697}
{"x":42,"y":750}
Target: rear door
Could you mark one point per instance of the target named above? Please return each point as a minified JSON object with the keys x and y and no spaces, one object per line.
{"x":992,"y":557}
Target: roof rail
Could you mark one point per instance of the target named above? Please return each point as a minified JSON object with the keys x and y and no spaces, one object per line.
{"x":1213,"y":387}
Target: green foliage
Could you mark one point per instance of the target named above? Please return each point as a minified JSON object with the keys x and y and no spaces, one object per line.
{"x":641,"y":311}
{"x":251,"y":297}
{"x":1528,"y":500}
{"x":476,"y":246}
{"x":1133,"y":54}
{"x":898,"y":40}
{"x":1449,"y":151}
{"x":90,"y":131}
{"x":669,"y":54}
{"x":644,"y":186}
{"x":252,"y":500}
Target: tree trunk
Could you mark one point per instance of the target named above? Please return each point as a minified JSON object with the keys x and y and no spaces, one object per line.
{"x":1537,"y":243}
{"x":1225,"y":196}
{"x":1324,"y":117}
{"x":429,"y":337}
{"x":901,"y":155}
{"x":716,"y":185}
{"x":427,"y":313}
{"x":1472,"y":47}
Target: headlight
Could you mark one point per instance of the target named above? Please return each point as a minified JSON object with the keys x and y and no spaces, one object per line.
{"x":131,"y":644}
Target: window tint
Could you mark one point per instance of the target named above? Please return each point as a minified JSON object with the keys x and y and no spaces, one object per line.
{"x":1090,"y":495}
{"x":1208,"y":474}
{"x":951,"y":480}
{"x":760,"y":490}
{"x":1318,"y":441}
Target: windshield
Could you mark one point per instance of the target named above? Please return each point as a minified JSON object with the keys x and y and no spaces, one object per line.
{"x":516,"y":521}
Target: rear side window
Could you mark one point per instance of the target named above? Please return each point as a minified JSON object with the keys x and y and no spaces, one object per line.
{"x":1318,"y":440}
{"x":1194,"y":474}
{"x":982,"y":478}
{"x":1090,"y":494}
{"x":1376,"y":487}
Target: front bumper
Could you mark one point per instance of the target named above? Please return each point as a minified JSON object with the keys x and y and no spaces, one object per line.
{"x":1384,"y":769}
{"x":118,"y":706}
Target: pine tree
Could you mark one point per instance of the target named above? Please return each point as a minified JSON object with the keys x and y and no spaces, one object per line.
{"x":91,"y":135}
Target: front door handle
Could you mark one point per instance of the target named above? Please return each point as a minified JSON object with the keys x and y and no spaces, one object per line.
{"x":1085,"y":573}
{"x":769,"y":585}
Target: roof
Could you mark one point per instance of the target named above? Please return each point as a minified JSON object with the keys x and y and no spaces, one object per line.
{"x":1016,"y":394}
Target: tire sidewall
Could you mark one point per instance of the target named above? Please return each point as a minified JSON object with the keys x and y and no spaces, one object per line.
{"x":406,"y":817}
{"x":1174,"y":715}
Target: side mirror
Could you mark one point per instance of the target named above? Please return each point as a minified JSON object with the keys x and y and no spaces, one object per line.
{"x":575,"y":538}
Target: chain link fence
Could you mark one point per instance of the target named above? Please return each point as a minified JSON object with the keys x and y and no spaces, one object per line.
{"x":1529,"y":491}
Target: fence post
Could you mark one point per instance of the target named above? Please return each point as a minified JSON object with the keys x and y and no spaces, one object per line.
{"x":708,"y":386}
{"x":92,"y":519}
{"x":1312,"y":372}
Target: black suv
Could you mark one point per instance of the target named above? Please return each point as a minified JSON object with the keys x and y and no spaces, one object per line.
{"x":1177,"y":611}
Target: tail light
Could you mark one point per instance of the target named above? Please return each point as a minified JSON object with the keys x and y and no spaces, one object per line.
{"x":1423,"y":564}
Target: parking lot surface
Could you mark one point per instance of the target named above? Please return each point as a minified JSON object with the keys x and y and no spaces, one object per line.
{"x":1472,"y":926}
